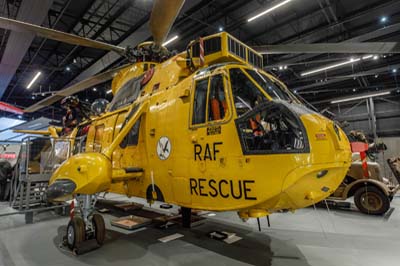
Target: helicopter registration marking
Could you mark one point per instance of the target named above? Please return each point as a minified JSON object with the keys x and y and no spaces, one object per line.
{"x":163,"y":148}
{"x":237,"y":189}
{"x":214,"y":130}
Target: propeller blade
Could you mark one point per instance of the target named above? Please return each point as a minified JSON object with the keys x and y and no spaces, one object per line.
{"x":162,"y":17}
{"x":19,"y":26}
{"x":320,"y":48}
{"x":78,"y":87}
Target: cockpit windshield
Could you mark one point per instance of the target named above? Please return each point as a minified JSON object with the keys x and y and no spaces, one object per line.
{"x":245,"y":93}
{"x":270,"y":86}
{"x":127,"y":93}
{"x":266,"y":126}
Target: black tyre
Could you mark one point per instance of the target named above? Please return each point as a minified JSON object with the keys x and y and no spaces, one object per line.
{"x":75,"y":232}
{"x":371,"y":200}
{"x":99,"y":228}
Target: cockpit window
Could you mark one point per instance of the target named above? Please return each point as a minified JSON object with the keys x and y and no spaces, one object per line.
{"x":209,"y":103}
{"x":200,"y":102}
{"x":271,"y":128}
{"x":245,"y":93}
{"x":127,"y":94}
{"x":217,"y":104}
{"x":273,"y":88}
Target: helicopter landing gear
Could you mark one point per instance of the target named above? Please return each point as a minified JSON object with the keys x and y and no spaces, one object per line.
{"x":99,"y":228}
{"x":75,"y":233}
{"x":186,"y":217}
{"x":85,"y":226}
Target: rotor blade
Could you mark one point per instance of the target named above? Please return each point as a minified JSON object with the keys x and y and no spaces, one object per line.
{"x":319,"y":48}
{"x":162,"y":17}
{"x":24,"y":27}
{"x":78,"y":87}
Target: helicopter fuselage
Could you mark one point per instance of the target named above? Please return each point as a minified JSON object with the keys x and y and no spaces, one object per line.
{"x":226,"y":137}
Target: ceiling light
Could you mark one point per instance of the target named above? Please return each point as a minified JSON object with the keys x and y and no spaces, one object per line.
{"x":367,"y":56}
{"x":220,"y":28}
{"x":94,"y":89}
{"x":384,"y":19}
{"x":109,"y":91}
{"x":285,"y":67}
{"x":268,"y":10}
{"x":68,"y":68}
{"x":352,"y":60}
{"x":170,"y":40}
{"x":394,"y":70}
{"x":375,"y":57}
{"x":361,"y":97}
{"x":280,"y":67}
{"x":34,"y":79}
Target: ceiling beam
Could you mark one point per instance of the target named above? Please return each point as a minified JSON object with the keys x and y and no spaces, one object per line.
{"x":331,"y":48}
{"x":361,"y":38}
{"x":25,"y":68}
{"x":352,"y":76}
{"x":31,"y":11}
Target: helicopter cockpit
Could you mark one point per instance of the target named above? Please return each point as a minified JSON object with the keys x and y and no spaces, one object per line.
{"x":266,"y":126}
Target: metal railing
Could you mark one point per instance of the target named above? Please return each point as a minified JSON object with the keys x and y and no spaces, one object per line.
{"x":38,"y":159}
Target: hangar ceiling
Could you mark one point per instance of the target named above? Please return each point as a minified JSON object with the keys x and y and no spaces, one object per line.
{"x":125,"y":23}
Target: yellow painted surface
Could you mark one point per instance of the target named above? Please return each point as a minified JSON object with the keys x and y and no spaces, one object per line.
{"x":255,"y":185}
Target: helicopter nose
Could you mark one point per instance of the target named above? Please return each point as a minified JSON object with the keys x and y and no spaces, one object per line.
{"x":60,"y":188}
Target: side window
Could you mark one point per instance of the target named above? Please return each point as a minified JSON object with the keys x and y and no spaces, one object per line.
{"x":132,"y":138}
{"x":246,"y":95}
{"x":98,"y":138}
{"x":217,"y":104}
{"x":80,"y":139}
{"x":200,"y":102}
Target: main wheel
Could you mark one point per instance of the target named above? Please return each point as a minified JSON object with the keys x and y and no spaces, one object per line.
{"x":75,"y":232}
{"x":99,"y":228}
{"x":371,"y":200}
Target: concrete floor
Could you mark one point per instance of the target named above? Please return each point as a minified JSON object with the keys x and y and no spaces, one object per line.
{"x":307,"y":237}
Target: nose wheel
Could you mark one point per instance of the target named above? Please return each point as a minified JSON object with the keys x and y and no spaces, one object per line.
{"x":99,"y":228}
{"x":86,"y":230}
{"x":75,"y":232}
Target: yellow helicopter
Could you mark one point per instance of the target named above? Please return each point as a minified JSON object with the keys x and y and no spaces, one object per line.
{"x":205,"y":129}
